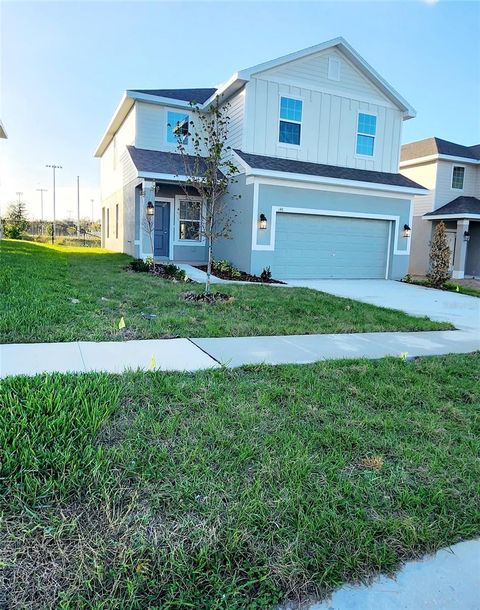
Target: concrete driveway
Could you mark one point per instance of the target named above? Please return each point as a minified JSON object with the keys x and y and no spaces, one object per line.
{"x":461,"y":310}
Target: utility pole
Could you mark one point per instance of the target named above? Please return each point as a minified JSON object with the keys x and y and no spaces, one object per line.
{"x":54,"y":167}
{"x":78,"y":206}
{"x":19,"y":195}
{"x":91,"y":201}
{"x":41,"y":191}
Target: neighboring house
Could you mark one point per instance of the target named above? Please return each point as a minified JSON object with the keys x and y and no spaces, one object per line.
{"x":316,"y":136}
{"x":3,"y":133}
{"x":451,"y":172}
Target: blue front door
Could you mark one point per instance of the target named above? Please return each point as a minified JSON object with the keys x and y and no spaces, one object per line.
{"x":161,"y":241}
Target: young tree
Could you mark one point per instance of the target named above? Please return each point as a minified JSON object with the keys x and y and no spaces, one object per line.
{"x":15,"y":221}
{"x":439,"y":271}
{"x":209,"y":171}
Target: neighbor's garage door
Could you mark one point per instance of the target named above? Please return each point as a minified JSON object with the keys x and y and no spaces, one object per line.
{"x":312,"y":246}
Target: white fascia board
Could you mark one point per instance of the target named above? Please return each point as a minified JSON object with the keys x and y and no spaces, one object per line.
{"x":164,"y":177}
{"x":453,"y":217}
{"x":119,"y":116}
{"x":157,"y":99}
{"x":431,"y":158}
{"x":334,"y":181}
{"x":408,"y":111}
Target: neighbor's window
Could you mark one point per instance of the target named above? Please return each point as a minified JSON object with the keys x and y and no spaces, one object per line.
{"x":116,"y":221}
{"x":366,"y":130}
{"x":108,"y":222}
{"x":189,"y":219}
{"x":290,"y":120}
{"x":177,"y":127}
{"x":458,"y":176}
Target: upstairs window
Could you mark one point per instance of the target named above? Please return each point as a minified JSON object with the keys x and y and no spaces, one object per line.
{"x":177,"y":127}
{"x":290,"y":121}
{"x":458,"y":177}
{"x":366,"y":131}
{"x":189,"y":220}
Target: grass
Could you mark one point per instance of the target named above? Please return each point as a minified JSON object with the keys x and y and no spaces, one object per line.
{"x":232,"y":489}
{"x":449,"y":286}
{"x":38,"y":283}
{"x":452,"y":287}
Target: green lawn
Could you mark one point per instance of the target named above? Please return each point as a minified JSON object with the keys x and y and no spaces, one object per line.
{"x":38,"y":283}
{"x":232,"y":489}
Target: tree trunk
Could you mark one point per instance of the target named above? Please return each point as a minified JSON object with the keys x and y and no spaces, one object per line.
{"x":210,"y":254}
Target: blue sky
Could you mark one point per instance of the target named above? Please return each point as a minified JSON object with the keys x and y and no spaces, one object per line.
{"x":64,"y":66}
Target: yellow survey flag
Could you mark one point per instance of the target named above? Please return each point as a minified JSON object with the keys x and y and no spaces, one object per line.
{"x":153,"y":364}
{"x":121,"y":324}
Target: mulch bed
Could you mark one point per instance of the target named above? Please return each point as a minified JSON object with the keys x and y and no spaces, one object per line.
{"x":243,"y":277}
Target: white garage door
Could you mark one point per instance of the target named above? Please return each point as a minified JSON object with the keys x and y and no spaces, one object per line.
{"x":314,"y":246}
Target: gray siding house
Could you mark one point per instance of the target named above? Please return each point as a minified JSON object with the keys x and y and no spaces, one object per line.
{"x":316,"y":137}
{"x":451,"y":172}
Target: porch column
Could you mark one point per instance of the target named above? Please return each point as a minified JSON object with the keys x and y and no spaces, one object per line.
{"x":460,"y":250}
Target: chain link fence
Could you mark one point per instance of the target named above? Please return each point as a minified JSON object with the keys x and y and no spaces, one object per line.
{"x":66,"y":232}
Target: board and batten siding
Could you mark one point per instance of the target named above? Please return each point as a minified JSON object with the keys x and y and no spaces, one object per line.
{"x":111,"y":165}
{"x":330,"y":115}
{"x":444,"y":192}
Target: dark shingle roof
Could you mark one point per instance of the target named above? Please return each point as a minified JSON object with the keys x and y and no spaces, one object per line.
{"x":436,"y":146}
{"x":157,"y":161}
{"x":460,"y":205}
{"x":186,"y":95}
{"x":329,"y":171}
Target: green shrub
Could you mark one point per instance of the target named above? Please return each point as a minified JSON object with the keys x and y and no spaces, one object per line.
{"x":226,"y":267}
{"x":139,"y":266}
{"x":266,"y":274}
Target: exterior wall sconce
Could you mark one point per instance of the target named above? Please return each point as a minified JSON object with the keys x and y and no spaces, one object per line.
{"x":466,"y":236}
{"x":262,"y":224}
{"x":407,"y":231}
{"x":150,"y":209}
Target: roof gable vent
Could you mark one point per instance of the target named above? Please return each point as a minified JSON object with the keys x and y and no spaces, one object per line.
{"x":334,"y":64}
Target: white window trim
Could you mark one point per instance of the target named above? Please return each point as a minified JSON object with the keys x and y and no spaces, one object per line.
{"x":176,"y":225}
{"x":452,"y":188}
{"x":369,"y":135}
{"x":173,"y":145}
{"x":289,"y":144}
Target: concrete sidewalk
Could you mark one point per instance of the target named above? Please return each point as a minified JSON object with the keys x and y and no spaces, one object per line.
{"x":448,"y":580}
{"x":205,"y":353}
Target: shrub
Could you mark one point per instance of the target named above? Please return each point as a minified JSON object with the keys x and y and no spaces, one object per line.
{"x":226,"y":267}
{"x":139,"y":266}
{"x":266,"y":274}
{"x":172,"y":272}
{"x":439,"y":271}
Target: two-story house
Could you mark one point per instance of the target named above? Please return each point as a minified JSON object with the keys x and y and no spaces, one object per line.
{"x":451,"y":172}
{"x":316,"y":136}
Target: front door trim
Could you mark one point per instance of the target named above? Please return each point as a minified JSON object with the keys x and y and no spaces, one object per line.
{"x":171,"y":202}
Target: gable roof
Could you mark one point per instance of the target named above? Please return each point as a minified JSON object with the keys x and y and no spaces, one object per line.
{"x":158,"y":162}
{"x":205,"y":96}
{"x":437,"y":146}
{"x":290,"y":166}
{"x":357,"y":60}
{"x":186,"y":95}
{"x":461,"y":206}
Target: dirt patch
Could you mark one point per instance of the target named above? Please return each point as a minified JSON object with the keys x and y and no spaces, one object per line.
{"x":212,"y":297}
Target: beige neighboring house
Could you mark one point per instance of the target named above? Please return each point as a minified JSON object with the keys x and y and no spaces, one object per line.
{"x":451,"y":172}
{"x":3,"y":133}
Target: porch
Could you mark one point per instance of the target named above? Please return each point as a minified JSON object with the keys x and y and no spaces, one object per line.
{"x":462,"y":221}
